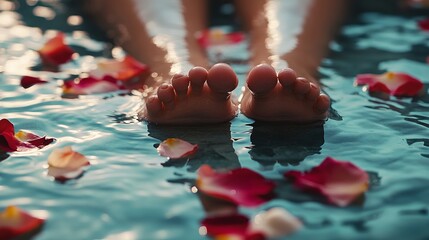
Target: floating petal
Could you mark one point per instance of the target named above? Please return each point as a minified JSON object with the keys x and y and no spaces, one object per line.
{"x":29,"y":81}
{"x":424,"y":24}
{"x":124,"y":70}
{"x":213,"y":37}
{"x":8,"y":141}
{"x":397,"y":84}
{"x":234,"y":185}
{"x":66,"y":164}
{"x":175,"y":148}
{"x":15,"y":223}
{"x":20,"y":141}
{"x":228,"y":224}
{"x":339,"y":182}
{"x":55,"y":51}
{"x":90,"y":85}
{"x":275,"y":223}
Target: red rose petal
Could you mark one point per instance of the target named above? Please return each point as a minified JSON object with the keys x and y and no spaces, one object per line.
{"x":8,"y":142}
{"x":66,"y":164}
{"x":20,"y":141}
{"x":339,"y":182}
{"x":175,"y":148}
{"x":90,"y":85}
{"x":396,"y":84}
{"x":15,"y":223}
{"x":28,"y":81}
{"x":55,"y":51}
{"x":234,"y":185}
{"x":229,"y":224}
{"x":424,"y":24}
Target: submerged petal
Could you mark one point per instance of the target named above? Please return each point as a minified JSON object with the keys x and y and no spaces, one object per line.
{"x":15,"y":223}
{"x":30,"y":140}
{"x":397,"y":84}
{"x":225,"y":224}
{"x":28,"y":81}
{"x":55,"y":51}
{"x":175,"y":148}
{"x":234,"y":185}
{"x":275,"y":223}
{"x":65,"y":163}
{"x":339,"y":182}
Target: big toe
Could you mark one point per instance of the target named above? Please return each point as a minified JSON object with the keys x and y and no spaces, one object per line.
{"x":221,"y":78}
{"x":262,"y":79}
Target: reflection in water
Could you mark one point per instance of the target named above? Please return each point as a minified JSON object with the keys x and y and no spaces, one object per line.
{"x":285,"y":143}
{"x":214,"y":141}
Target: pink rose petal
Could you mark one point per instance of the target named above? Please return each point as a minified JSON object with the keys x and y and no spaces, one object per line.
{"x":15,"y":223}
{"x":123,"y":70}
{"x":175,"y":148}
{"x":339,"y":182}
{"x":66,"y":164}
{"x":29,"y":81}
{"x":234,"y":185}
{"x":90,"y":85}
{"x":55,"y":51}
{"x":396,"y":84}
{"x":275,"y":223}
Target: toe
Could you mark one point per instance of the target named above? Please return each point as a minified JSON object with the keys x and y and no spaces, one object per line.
{"x":262,"y":79}
{"x":322,"y":104}
{"x":301,"y":87}
{"x":153,"y":105}
{"x":180,"y":84}
{"x":287,"y":77}
{"x":221,"y":78}
{"x":314,"y":93}
{"x":197,"y":77}
{"x":166,"y":95}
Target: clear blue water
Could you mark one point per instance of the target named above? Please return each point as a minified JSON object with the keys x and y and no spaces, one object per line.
{"x":130,"y":192}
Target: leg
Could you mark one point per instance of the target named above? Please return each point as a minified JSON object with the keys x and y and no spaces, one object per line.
{"x":161,"y":34}
{"x":293,"y":33}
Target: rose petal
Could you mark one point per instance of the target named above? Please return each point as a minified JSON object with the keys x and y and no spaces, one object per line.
{"x":175,"y":148}
{"x":30,"y":140}
{"x":275,"y":223}
{"x":55,"y":51}
{"x":89,"y":85}
{"x":214,"y":37}
{"x":397,"y":84}
{"x":28,"y":81}
{"x":225,"y":224}
{"x":339,"y":182}
{"x":8,"y":142}
{"x":424,"y":24}
{"x":65,"y":163}
{"x":123,"y":70}
{"x":14,"y":223}
{"x":234,"y":185}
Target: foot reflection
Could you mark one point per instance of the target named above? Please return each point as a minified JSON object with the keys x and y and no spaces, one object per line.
{"x":285,"y":143}
{"x":215,"y":145}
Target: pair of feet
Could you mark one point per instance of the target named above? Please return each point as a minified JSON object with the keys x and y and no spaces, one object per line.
{"x":204,"y":97}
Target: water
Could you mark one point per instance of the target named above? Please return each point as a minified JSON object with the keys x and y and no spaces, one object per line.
{"x":130,"y":192}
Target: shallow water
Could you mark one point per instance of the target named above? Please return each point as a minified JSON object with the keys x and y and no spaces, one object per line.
{"x":130,"y":192}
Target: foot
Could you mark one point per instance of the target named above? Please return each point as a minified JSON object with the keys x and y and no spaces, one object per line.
{"x":282,"y":97}
{"x":200,"y":97}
